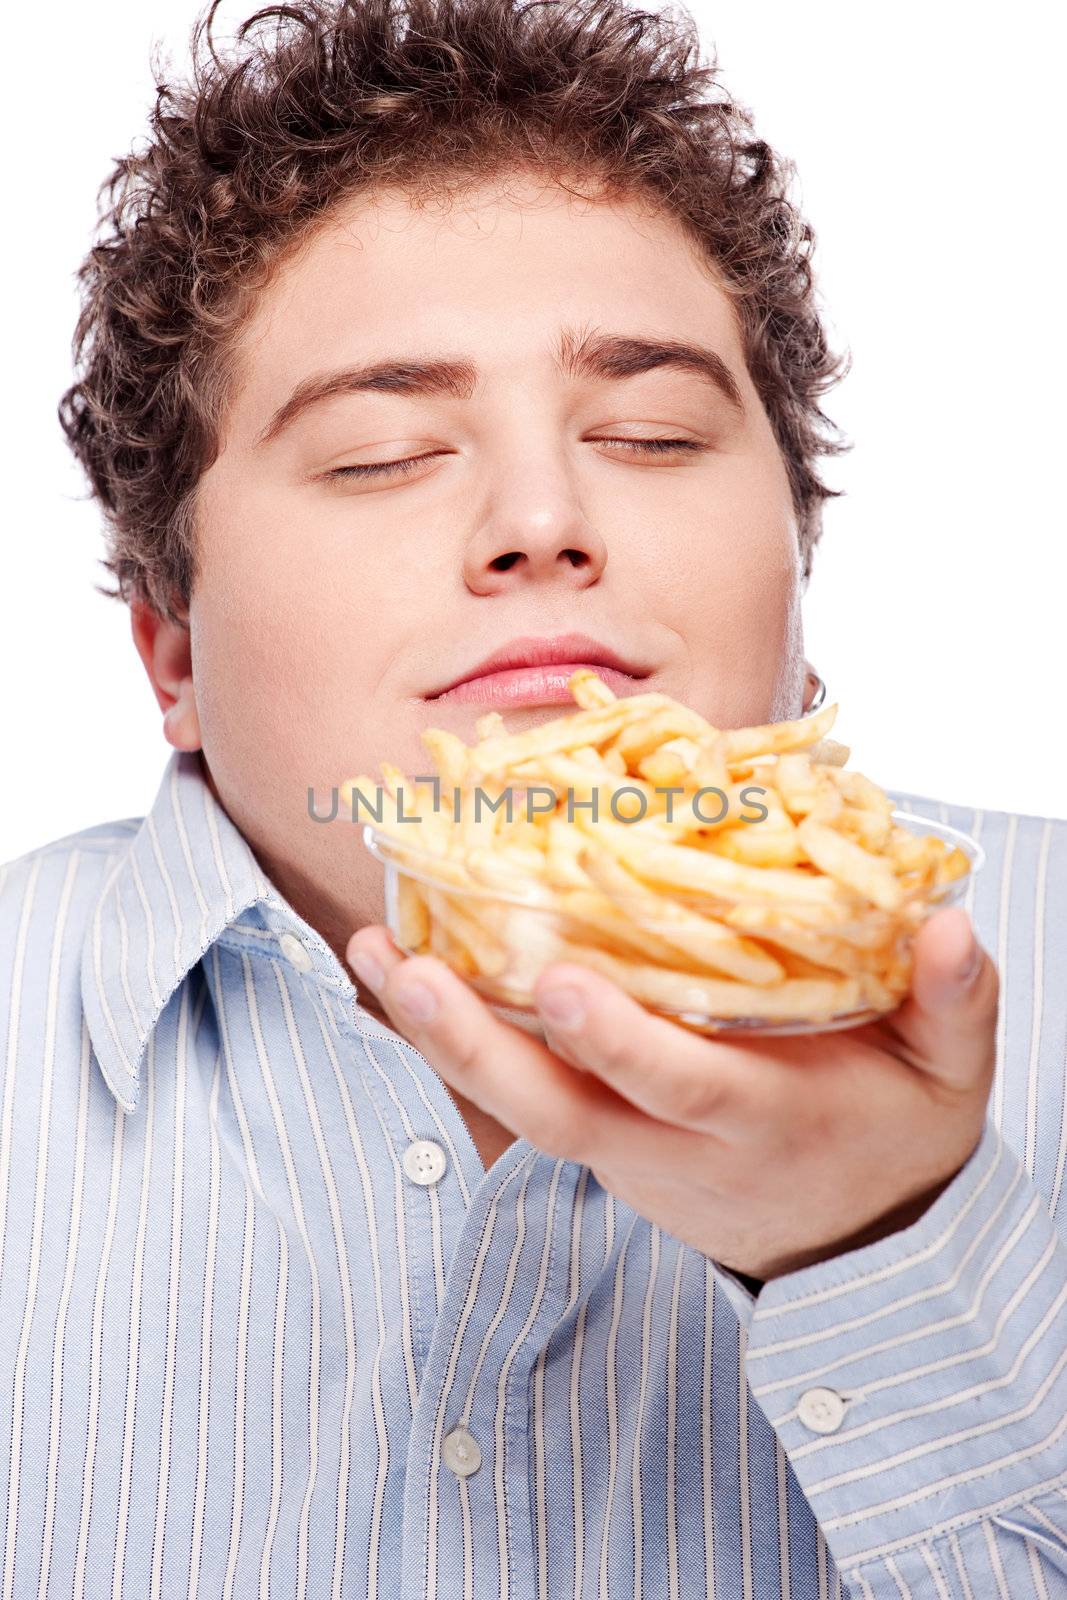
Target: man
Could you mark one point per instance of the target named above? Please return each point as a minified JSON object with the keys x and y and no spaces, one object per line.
{"x":414,"y":335}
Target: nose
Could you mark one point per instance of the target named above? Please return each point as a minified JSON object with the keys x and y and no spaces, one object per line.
{"x":535,"y":533}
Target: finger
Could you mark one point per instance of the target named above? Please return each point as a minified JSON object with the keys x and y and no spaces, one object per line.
{"x":372,"y":954}
{"x":510,"y":1074}
{"x":673,"y":1074}
{"x":948,"y":1021}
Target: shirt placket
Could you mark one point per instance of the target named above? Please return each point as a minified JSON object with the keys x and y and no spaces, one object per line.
{"x":468,"y":1523}
{"x":492,"y":1300}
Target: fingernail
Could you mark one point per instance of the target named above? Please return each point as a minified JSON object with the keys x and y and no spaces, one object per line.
{"x":974,"y":961}
{"x":366,"y":969}
{"x":563,"y":1007}
{"x":417,"y":1000}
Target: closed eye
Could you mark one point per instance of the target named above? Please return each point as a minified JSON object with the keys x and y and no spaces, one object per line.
{"x":376,"y":469}
{"x":654,"y":447}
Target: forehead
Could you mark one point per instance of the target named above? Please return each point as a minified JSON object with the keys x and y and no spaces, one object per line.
{"x":491,"y":272}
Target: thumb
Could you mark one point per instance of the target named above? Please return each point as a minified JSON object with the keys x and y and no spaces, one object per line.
{"x":950,"y":1017}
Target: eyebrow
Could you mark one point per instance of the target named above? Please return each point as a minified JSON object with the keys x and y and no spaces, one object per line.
{"x":578,"y":355}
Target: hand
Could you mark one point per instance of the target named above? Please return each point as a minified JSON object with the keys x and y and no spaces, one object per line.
{"x":766,"y":1155}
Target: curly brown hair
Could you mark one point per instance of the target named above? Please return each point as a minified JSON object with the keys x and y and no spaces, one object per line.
{"x":318,"y":99}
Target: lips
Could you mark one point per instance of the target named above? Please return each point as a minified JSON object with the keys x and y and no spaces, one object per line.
{"x":524,"y":664}
{"x":563,"y":650}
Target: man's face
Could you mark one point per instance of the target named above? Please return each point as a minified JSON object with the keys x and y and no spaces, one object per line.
{"x":331,"y":608}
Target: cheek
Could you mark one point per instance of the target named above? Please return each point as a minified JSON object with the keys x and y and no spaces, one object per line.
{"x":253,"y":675}
{"x":295,"y":655}
{"x":294,"y":626}
{"x":729,"y":584}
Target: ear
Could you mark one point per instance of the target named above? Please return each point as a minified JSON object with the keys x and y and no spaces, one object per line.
{"x":165,"y":649}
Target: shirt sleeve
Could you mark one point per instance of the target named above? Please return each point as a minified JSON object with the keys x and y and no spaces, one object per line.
{"x":918,"y":1387}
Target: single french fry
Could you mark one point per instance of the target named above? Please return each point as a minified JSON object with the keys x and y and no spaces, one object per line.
{"x":644,"y":734}
{"x":861,"y":927}
{"x":678,"y":865}
{"x":711,"y":770}
{"x":860,"y":791}
{"x":671,"y":762}
{"x":497,"y":757}
{"x":829,"y":807}
{"x":396,"y":783}
{"x":773,"y":737}
{"x":851,"y":865}
{"x":868,"y":828}
{"x":413,"y":918}
{"x":589,"y":690}
{"x":445,"y":945}
{"x":760,"y":844}
{"x":798,"y":782}
{"x":449,"y":756}
{"x":822,"y":950}
{"x":798,"y":966}
{"x":564,"y":773}
{"x":489,"y":726}
{"x":420,"y":832}
{"x":829,"y":753}
{"x":810,"y":999}
{"x":953,"y":865}
{"x":488,"y":952}
{"x":483,"y":809}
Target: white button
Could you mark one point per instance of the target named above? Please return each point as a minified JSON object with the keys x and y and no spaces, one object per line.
{"x":295,"y":951}
{"x":460,"y":1452}
{"x":424,"y":1161}
{"x":821,"y":1410}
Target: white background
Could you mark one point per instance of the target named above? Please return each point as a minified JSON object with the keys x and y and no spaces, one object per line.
{"x":929,"y":156}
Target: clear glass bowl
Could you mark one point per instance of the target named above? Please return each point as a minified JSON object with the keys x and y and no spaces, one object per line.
{"x":499,"y":941}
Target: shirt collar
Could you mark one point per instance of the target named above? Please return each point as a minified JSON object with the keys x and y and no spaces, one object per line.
{"x":187,"y":874}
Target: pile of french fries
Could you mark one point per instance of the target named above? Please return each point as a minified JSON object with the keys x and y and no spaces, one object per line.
{"x":800,"y":918}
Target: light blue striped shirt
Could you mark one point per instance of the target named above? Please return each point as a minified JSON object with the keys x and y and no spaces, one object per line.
{"x":268,"y":1328}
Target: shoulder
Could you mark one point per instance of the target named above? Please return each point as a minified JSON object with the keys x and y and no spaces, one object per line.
{"x":91,"y":848}
{"x":101,"y":838}
{"x":57,"y":1115}
{"x":47,"y":897}
{"x":83,"y":856}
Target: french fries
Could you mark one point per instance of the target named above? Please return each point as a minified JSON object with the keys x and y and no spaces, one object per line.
{"x":773,"y":890}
